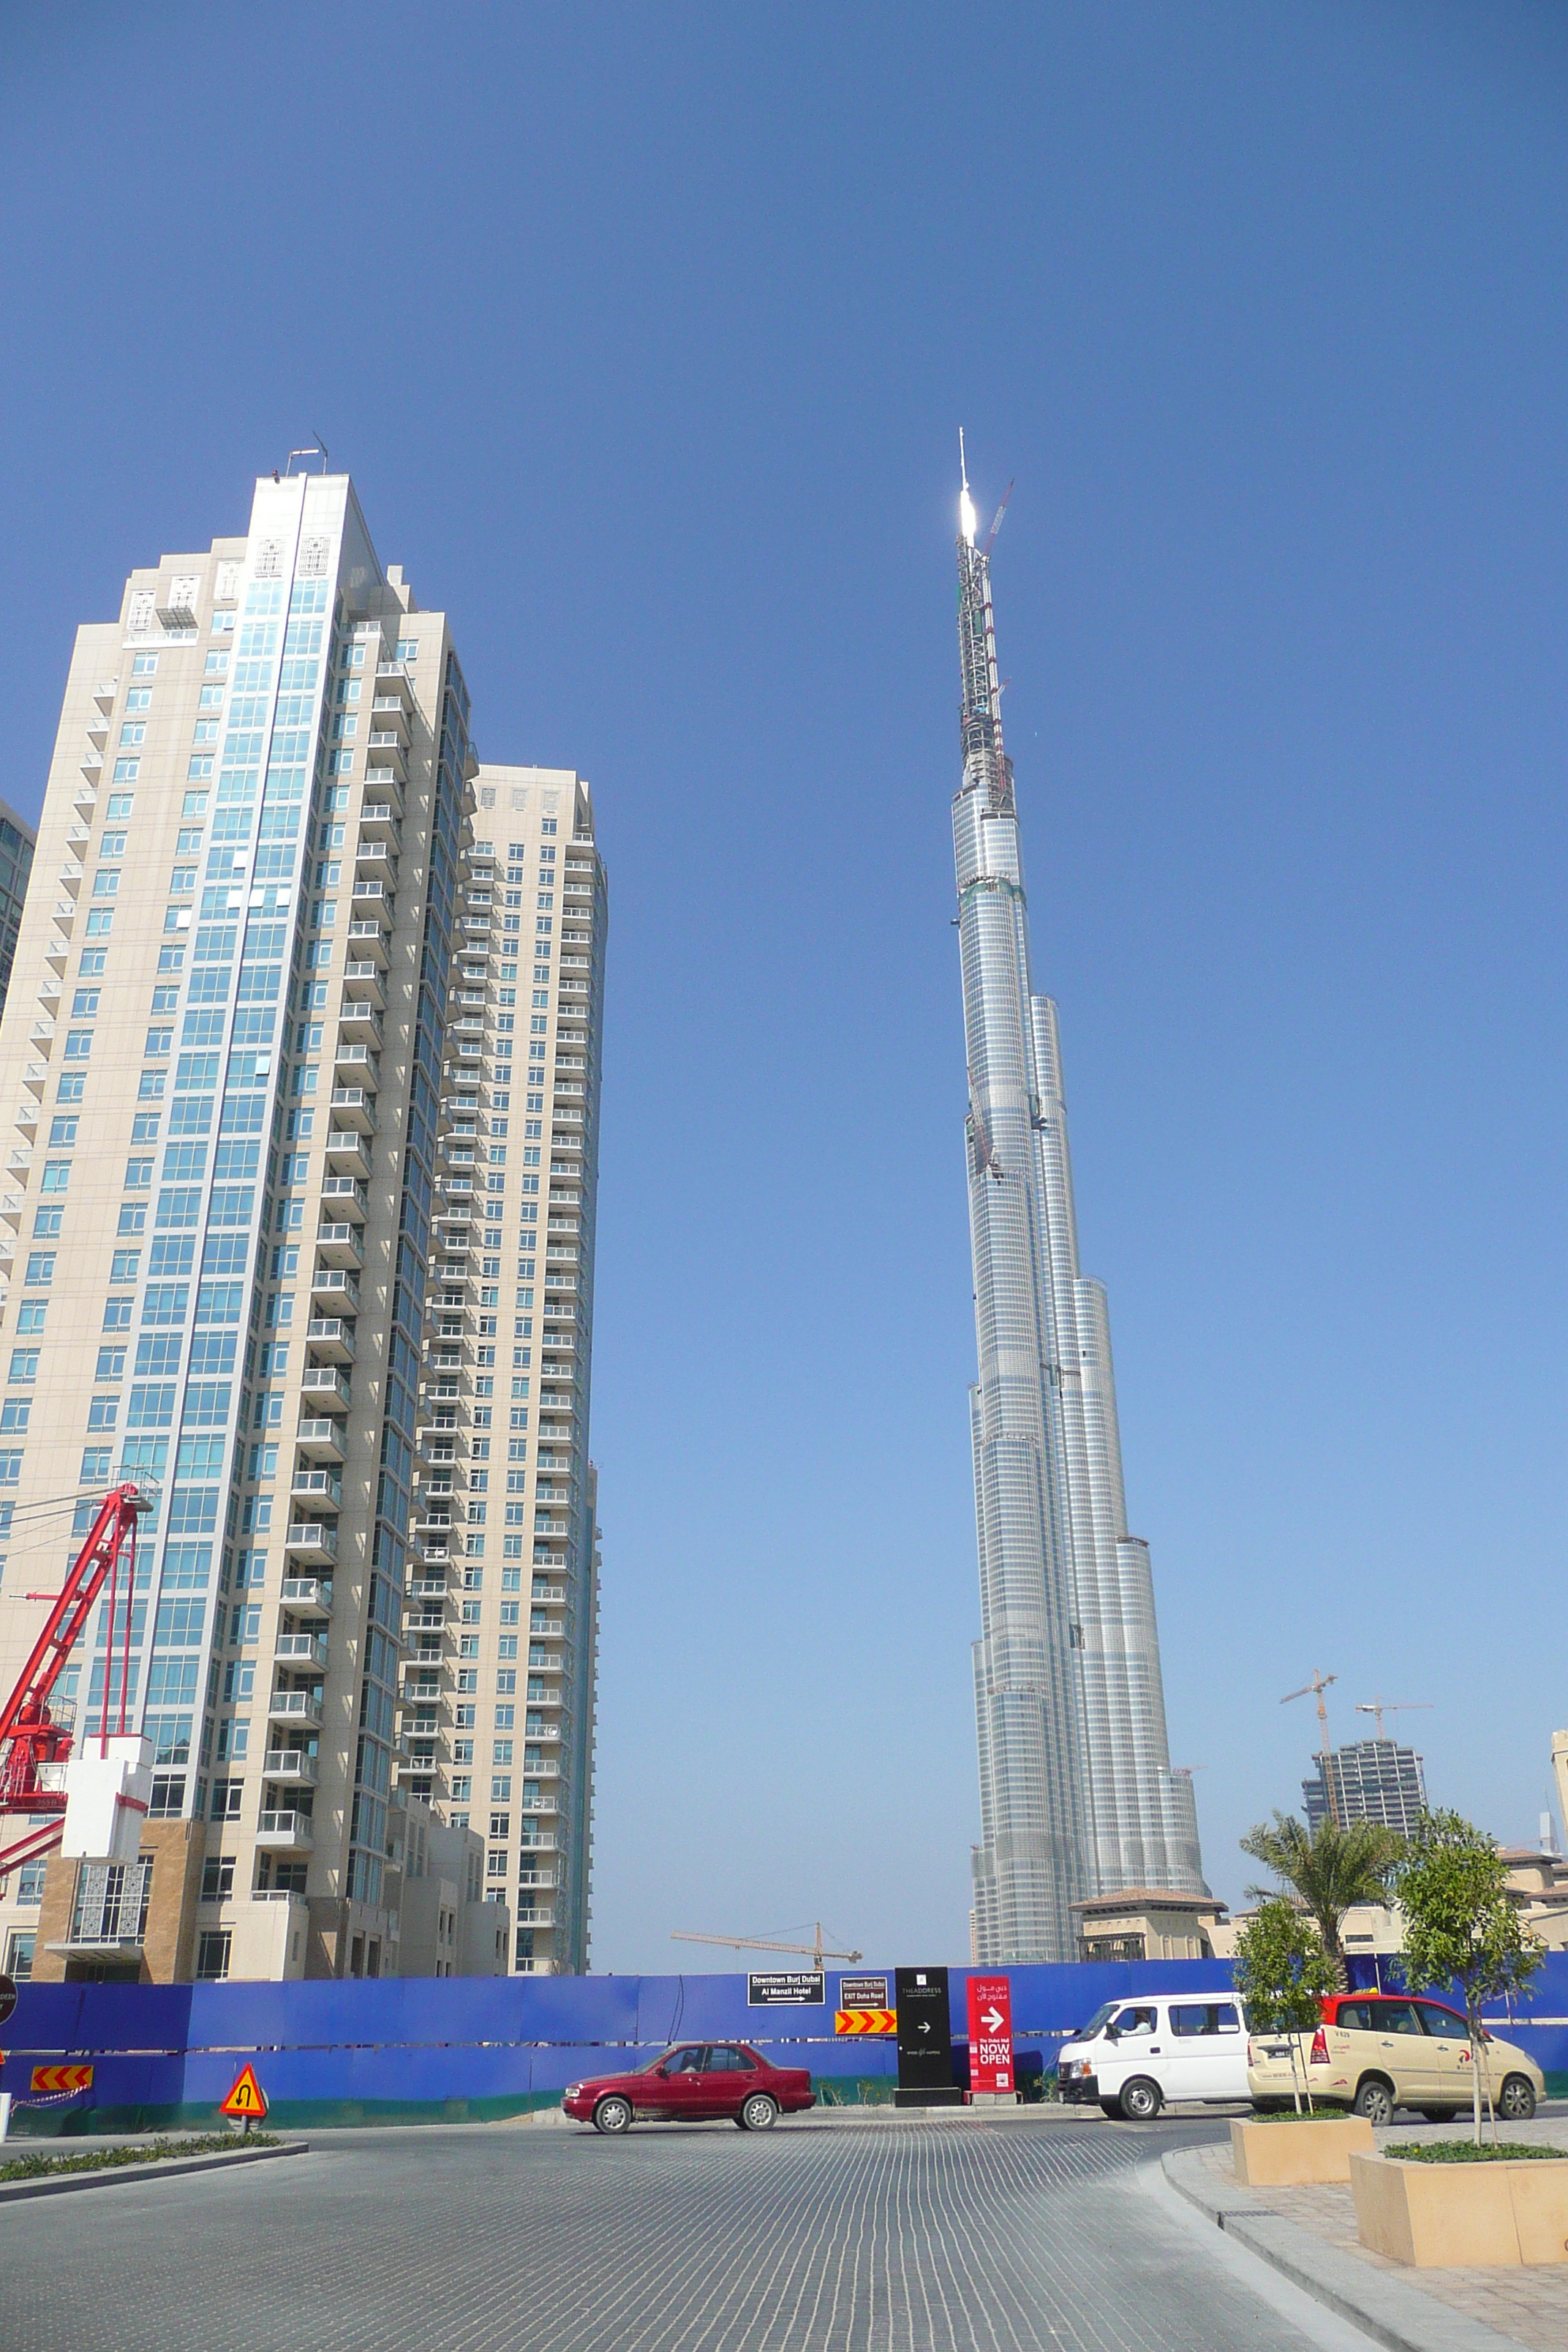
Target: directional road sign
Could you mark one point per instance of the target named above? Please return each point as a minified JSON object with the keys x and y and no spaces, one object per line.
{"x":248,"y":2099}
{"x":785,"y":1989}
{"x":61,"y":2078}
{"x":863,"y":1992}
{"x":991,"y":2035}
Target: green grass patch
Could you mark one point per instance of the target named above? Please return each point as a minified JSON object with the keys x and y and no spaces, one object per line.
{"x":1319,"y":2115}
{"x":106,"y":2160}
{"x":1465,"y":2151}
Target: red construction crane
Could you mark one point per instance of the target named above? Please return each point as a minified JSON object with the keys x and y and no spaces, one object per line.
{"x":30,"y":1735}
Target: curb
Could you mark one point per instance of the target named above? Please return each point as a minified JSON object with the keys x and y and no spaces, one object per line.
{"x":1391,"y":2314}
{"x":13,"y":2192}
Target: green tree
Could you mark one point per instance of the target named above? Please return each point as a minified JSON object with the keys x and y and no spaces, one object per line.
{"x":1329,"y":1869}
{"x":1460,"y":1926}
{"x":1281,"y":1974}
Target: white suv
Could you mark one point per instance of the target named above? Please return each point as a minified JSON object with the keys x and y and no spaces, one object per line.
{"x":1137,"y":2056}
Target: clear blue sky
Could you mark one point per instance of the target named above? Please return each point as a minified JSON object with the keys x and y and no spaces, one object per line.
{"x":645,"y":334}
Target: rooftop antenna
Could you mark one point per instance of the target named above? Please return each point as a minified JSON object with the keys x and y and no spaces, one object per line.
{"x":1382,"y":1707}
{"x":316,"y":448}
{"x":967,"y":519}
{"x":1317,"y":1686}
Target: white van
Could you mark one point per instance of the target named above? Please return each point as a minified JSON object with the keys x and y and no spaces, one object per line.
{"x":1137,"y":2056}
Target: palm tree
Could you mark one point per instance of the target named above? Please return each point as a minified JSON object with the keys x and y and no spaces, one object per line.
{"x":1329,"y":1869}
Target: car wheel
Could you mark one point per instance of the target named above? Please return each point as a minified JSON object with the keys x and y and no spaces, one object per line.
{"x":1140,"y":2101}
{"x":1109,"y":2107}
{"x":1516,"y":2100}
{"x":612,"y":2114}
{"x":1374,"y":2100}
{"x":760,"y":2113}
{"x":1439,"y":2114}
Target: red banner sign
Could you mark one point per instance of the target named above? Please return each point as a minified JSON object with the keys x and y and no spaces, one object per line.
{"x":991,"y":2034}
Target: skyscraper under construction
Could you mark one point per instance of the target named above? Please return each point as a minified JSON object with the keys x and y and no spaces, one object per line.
{"x":1077,"y":1797}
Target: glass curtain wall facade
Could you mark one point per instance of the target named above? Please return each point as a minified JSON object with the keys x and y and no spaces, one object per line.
{"x":1077,"y":1797}
{"x":499,"y":1686}
{"x":223,"y":1062}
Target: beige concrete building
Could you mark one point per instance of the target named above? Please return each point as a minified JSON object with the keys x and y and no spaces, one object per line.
{"x":499,"y":1680}
{"x":224,"y":1067}
{"x":1144,"y":1923}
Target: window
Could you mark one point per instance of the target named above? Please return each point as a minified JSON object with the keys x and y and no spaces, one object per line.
{"x":13,"y":1415}
{"x":126,"y":1268}
{"x":96,"y":1462}
{"x":1204,"y":2017}
{"x":213,"y":1943}
{"x":111,"y":1364}
{"x":138,"y":1175}
{"x":159,"y":1041}
{"x":103,"y":1411}
{"x":1395,"y":2017}
{"x":218,"y":1878}
{"x":78,"y":1045}
{"x":132,"y":1220}
{"x":40,"y":1267}
{"x":31,"y":1313}
{"x":57,"y":1176}
{"x":19,"y":1955}
{"x":1135,"y":2020}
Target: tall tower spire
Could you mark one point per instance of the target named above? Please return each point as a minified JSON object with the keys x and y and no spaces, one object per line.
{"x":1077,"y":1794}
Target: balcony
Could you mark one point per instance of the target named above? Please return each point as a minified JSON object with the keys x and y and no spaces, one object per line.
{"x":369,"y":942}
{"x":302,"y":1649}
{"x":351,"y":1150}
{"x":290,"y":1764}
{"x":389,"y":722}
{"x":379,"y":821}
{"x":307,"y":1596}
{"x":390,"y":766}
{"x":286,"y":1833}
{"x":368,"y":976}
{"x":360,"y":1019}
{"x":331,"y":1337}
{"x":376,"y":859}
{"x":295,"y":1707}
{"x":532,"y":1915}
{"x":359,"y":1057}
{"x":344,"y":1189}
{"x":354,"y":1106}
{"x":341,"y":1244}
{"x":309,"y":1540}
{"x":324,"y":1384}
{"x":334,"y":1286}
{"x":321,"y":1488}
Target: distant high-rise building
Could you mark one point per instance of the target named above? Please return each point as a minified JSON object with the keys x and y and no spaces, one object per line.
{"x":1078,"y":1796}
{"x":1368,"y":1781}
{"x":17,"y":840}
{"x":270,"y":1244}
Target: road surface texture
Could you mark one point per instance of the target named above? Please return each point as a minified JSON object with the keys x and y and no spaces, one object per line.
{"x":887,"y":2236}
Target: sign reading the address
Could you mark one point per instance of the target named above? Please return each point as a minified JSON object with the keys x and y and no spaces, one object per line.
{"x":785,"y":1989}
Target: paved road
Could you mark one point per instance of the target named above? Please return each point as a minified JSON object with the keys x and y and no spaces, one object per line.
{"x":913,"y":2236}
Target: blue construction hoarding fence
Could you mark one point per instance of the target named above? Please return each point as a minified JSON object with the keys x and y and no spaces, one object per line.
{"x":428,"y":2050}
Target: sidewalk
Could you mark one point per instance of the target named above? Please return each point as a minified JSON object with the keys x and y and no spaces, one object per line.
{"x":1310,"y":2234}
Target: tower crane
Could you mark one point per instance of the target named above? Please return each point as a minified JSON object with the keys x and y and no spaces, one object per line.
{"x":1316,"y":1687}
{"x":35,"y":1735}
{"x":1382,"y":1707}
{"x":763,"y":1944}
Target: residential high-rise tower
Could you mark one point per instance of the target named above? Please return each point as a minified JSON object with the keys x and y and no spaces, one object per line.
{"x":1077,"y":1797}
{"x":243,"y":1266}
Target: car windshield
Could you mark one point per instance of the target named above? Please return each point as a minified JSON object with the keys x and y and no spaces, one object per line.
{"x":1106,"y":2008}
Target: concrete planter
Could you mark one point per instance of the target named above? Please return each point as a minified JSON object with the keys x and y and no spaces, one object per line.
{"x":1274,"y":2156}
{"x":1440,"y":2216}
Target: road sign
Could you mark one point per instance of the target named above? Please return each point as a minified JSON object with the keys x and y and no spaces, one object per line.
{"x":991,"y":2035}
{"x":863,"y":1992}
{"x":787,"y":1988}
{"x":865,"y":2020}
{"x":61,"y":2078}
{"x":248,"y":2099}
{"x":7,"y":1998}
{"x":925,"y":2034}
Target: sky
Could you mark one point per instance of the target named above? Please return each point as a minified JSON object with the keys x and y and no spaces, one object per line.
{"x":645,"y":334}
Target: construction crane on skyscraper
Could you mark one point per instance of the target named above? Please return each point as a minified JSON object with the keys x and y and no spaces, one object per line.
{"x":1316,"y":1687}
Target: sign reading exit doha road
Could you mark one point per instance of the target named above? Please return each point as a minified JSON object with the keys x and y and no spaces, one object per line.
{"x":990,"y":2069}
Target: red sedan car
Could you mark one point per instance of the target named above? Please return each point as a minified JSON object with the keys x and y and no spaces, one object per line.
{"x":692,"y":2085}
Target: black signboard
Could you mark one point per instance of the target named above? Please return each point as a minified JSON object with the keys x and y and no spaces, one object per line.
{"x":925,"y":2033}
{"x":785,"y":1989}
{"x":7,"y":1999}
{"x":863,"y":1992}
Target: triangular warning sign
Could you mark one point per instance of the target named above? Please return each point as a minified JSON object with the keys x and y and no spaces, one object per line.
{"x":248,"y":2099}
